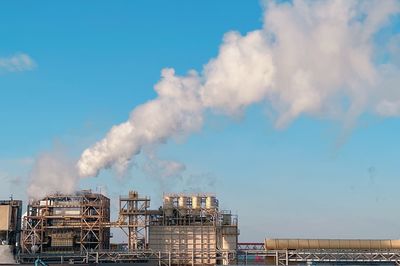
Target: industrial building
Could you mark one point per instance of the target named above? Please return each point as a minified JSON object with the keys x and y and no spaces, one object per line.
{"x":10,"y":229}
{"x":188,"y":229}
{"x":10,"y":221}
{"x":193,"y":226}
{"x":67,"y":223}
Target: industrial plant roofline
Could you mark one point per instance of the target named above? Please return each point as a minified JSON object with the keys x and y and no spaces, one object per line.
{"x":78,"y":193}
{"x":133,"y":195}
{"x":189,"y":194}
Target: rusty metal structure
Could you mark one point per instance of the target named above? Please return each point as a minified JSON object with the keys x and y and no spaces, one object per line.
{"x":188,"y":229}
{"x":134,"y":219}
{"x":75,"y":223}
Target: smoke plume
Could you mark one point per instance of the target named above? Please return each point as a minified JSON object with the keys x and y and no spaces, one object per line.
{"x":167,"y":174}
{"x":6,"y":256}
{"x":318,"y":58}
{"x":52,"y":172}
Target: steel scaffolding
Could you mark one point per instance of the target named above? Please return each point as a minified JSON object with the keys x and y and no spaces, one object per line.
{"x":143,"y":256}
{"x":67,"y":223}
{"x":189,"y":229}
{"x":311,"y":257}
{"x":134,"y":215}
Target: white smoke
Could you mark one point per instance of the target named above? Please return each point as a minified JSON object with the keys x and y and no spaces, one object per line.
{"x":166,"y":174}
{"x":170,"y":175}
{"x":310,"y":57}
{"x":157,"y":168}
{"x":6,"y":256}
{"x":177,"y":110}
{"x":52,"y":172}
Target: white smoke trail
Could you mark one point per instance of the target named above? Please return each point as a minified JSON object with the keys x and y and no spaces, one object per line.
{"x":177,"y":110}
{"x":311,"y":57}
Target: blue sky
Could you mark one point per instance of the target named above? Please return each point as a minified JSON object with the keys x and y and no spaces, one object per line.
{"x":97,"y":60}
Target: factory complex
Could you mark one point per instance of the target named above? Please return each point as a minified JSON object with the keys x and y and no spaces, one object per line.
{"x":188,"y":229}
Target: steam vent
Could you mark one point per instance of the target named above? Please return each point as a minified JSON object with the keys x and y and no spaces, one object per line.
{"x":188,"y":229}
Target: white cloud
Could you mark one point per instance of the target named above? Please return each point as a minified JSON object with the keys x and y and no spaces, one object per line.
{"x":17,"y":63}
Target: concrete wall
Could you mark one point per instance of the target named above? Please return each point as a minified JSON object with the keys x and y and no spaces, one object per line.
{"x":198,"y":242}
